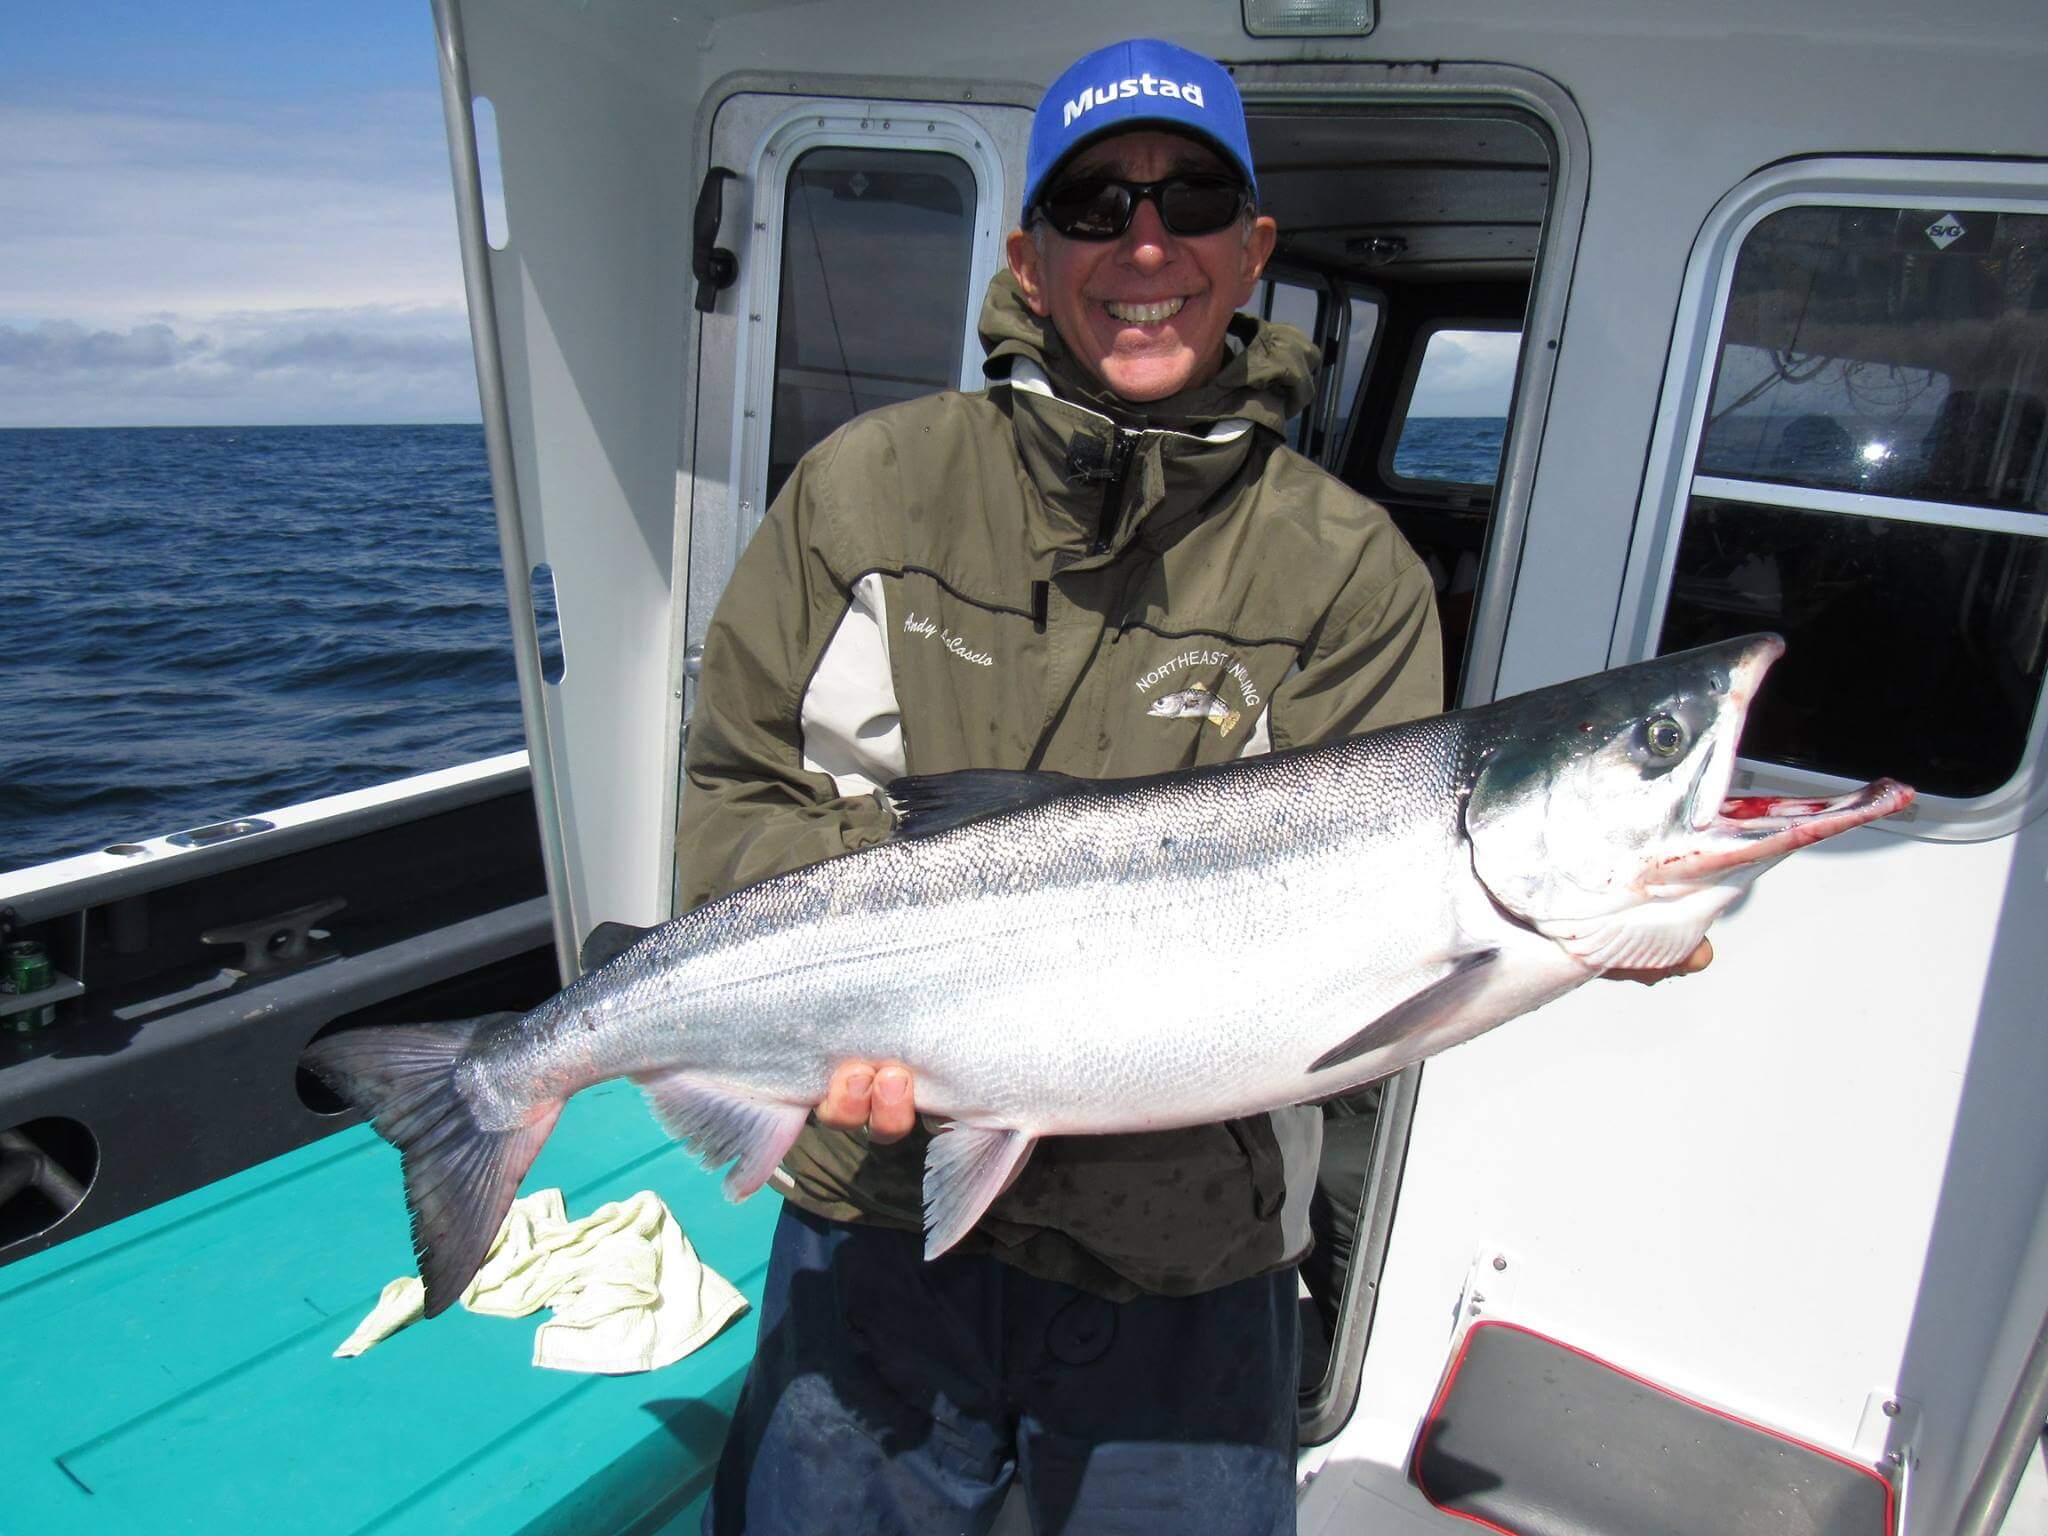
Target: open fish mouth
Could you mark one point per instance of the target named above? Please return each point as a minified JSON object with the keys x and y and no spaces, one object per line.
{"x":1751,"y":829}
{"x":1754,"y":828}
{"x":1770,"y":825}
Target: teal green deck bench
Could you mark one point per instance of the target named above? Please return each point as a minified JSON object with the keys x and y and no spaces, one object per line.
{"x":172,"y":1372}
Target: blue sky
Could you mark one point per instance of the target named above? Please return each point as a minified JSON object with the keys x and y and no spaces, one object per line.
{"x":237,"y":213}
{"x":228,"y":213}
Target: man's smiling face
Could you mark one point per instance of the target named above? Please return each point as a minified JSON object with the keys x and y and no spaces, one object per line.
{"x":1144,"y":313}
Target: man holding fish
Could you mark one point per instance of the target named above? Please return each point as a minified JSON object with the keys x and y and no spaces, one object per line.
{"x":1147,"y":580}
{"x":1117,"y":989}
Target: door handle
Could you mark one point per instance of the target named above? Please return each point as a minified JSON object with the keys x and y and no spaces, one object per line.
{"x":714,"y":267}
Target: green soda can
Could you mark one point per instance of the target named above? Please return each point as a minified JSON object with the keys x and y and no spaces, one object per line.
{"x":27,"y":969}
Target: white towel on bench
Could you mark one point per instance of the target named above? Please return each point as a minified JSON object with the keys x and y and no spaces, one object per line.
{"x":628,"y":1291}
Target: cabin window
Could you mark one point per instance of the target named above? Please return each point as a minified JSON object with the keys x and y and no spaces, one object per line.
{"x":1455,"y":418}
{"x":877,"y":252}
{"x":1342,"y":325}
{"x":1287,"y":302}
{"x":1362,"y":327}
{"x":1871,"y":481}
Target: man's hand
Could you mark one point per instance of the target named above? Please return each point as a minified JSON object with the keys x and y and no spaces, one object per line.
{"x":1698,"y":960}
{"x":870,"y":1097}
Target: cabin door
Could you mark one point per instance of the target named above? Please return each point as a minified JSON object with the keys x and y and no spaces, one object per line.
{"x":864,"y":231}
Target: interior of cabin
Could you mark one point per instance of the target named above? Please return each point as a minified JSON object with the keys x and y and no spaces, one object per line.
{"x":1408,"y":241}
{"x":1408,"y":247}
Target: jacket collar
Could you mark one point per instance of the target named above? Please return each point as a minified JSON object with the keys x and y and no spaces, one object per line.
{"x":1181,"y":455}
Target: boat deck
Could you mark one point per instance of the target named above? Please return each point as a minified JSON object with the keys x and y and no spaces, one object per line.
{"x":172,"y":1372}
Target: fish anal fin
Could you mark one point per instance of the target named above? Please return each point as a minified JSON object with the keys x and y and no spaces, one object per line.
{"x":930,"y":803}
{"x":723,"y":1126}
{"x":1469,"y":973}
{"x":965,"y":1168}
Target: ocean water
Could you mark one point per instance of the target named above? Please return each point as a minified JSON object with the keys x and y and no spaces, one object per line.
{"x":199,"y":623}
{"x":203,"y":622}
{"x":1461,"y":449}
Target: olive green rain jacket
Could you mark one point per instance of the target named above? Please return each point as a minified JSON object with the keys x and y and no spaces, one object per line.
{"x":1041,"y":576}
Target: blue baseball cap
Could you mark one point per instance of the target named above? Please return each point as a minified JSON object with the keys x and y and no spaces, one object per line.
{"x":1140,"y":83}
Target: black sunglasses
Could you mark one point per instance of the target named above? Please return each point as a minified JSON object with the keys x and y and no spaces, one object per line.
{"x":1102,"y":207}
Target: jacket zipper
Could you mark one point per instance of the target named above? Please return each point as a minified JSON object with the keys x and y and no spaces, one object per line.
{"x":1113,"y":492}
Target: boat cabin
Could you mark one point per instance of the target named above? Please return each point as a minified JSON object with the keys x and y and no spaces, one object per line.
{"x":1742,"y":315}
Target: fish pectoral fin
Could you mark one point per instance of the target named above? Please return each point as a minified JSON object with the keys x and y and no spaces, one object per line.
{"x":965,"y":1168}
{"x":607,"y":941}
{"x":722,"y":1126}
{"x":929,"y":803}
{"x":1467,"y":975}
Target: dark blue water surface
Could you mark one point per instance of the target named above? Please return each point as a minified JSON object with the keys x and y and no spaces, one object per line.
{"x":198,"y":623}
{"x":1464,"y":450}
{"x":202,"y":622}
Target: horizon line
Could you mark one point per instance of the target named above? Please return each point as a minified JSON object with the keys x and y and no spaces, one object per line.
{"x":213,"y":426}
{"x":243,"y":426}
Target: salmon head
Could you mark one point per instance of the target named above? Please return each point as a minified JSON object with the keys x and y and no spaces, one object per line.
{"x":1599,"y":811}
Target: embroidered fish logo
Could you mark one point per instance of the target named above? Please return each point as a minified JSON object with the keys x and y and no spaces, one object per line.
{"x":1196,"y":699}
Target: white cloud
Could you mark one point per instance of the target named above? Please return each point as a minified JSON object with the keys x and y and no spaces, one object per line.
{"x":1467,"y":373}
{"x":232,"y":261}
{"x":57,"y":348}
{"x":366,"y":364}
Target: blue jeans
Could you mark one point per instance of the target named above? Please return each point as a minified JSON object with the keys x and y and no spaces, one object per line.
{"x":891,"y":1397}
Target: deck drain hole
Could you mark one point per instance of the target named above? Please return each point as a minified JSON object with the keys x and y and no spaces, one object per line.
{"x":46,"y":1168}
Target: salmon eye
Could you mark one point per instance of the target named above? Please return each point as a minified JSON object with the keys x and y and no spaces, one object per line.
{"x":1666,"y":737}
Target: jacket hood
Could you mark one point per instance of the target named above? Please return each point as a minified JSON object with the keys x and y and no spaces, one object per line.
{"x":1269,"y":376}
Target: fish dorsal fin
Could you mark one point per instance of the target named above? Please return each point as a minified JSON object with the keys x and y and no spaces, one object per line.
{"x":929,"y":803}
{"x":607,"y":941}
{"x":1198,"y":688}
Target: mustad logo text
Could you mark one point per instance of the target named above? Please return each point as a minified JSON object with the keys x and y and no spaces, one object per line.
{"x":1116,"y":90}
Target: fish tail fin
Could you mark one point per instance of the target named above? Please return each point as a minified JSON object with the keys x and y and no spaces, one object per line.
{"x":460,"y":1178}
{"x":1229,"y":721}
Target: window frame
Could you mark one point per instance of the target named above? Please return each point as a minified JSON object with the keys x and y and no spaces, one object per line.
{"x":1342,"y":428}
{"x":1317,"y":286}
{"x":1334,"y":297}
{"x":920,"y":127}
{"x":1672,"y":479}
{"x":1454,"y":493}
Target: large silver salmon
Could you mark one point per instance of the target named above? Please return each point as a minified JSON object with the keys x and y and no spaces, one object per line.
{"x":1022,"y":944}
